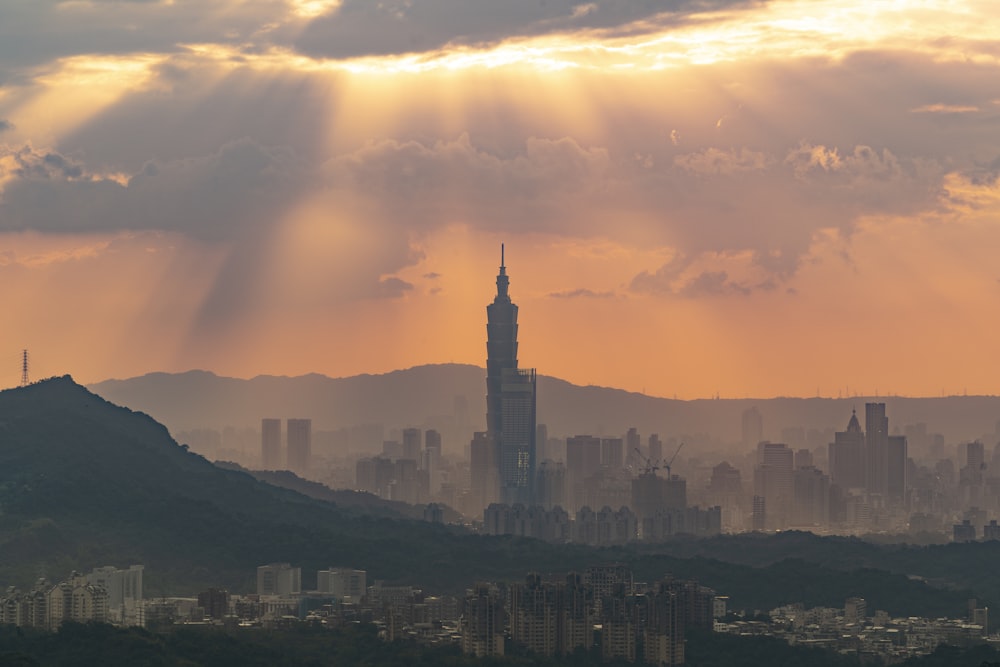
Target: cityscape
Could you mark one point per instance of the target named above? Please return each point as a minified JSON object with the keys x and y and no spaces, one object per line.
{"x":595,"y":491}
{"x":732,"y":401}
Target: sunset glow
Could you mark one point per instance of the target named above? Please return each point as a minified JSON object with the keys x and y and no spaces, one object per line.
{"x":725,"y":198}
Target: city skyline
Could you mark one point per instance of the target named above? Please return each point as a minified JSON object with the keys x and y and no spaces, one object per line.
{"x":734,"y":198}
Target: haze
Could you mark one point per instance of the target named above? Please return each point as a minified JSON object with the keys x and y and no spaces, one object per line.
{"x":697,"y":198}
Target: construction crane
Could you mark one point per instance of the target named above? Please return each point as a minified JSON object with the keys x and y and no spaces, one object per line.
{"x":668,"y":463}
{"x":651,"y":467}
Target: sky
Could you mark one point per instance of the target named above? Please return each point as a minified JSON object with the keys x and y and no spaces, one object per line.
{"x":698,"y":198}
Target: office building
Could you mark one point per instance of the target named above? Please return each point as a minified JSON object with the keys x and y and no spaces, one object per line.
{"x":773,"y":480}
{"x":510,"y":399}
{"x":270,"y":445}
{"x":753,"y":428}
{"x":877,"y":448}
{"x":343,"y":583}
{"x":411,"y":443}
{"x":847,"y":456}
{"x":279,"y":579}
{"x":299,"y":445}
{"x":896,"y":482}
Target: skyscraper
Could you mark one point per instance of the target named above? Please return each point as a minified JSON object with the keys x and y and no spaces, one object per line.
{"x":877,"y":445}
{"x":270,"y":444}
{"x":510,"y":398}
{"x":753,"y":427}
{"x":847,"y":456}
{"x":299,"y":445}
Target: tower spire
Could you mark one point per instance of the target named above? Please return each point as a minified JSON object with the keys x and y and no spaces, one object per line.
{"x":503,"y":282}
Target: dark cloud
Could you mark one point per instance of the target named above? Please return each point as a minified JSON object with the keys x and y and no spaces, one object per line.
{"x":34,"y":32}
{"x":365,"y":28}
{"x":391,"y":288}
{"x":5,"y":125}
{"x":433,"y":275}
{"x":425,"y":185}
{"x":242,"y":185}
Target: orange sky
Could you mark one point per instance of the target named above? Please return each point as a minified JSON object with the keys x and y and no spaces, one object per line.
{"x":727,"y":198}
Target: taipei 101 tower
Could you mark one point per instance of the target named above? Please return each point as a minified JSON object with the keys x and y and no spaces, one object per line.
{"x":510,"y":400}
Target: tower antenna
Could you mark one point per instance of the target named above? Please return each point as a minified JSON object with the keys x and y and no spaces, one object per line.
{"x":501,"y":256}
{"x":24,"y":368}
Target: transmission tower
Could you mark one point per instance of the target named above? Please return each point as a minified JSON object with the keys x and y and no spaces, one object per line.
{"x":24,"y":368}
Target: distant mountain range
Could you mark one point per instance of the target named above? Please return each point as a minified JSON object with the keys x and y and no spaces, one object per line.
{"x":423,"y":394}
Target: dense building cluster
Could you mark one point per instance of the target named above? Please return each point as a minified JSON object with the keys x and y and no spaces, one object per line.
{"x":603,"y":607}
{"x":105,"y":595}
{"x":876,"y":636}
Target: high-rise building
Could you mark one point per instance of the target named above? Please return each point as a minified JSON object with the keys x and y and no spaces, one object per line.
{"x":896,"y":456}
{"x":279,"y":579}
{"x":270,"y":444}
{"x":847,"y":456}
{"x":411,"y":443}
{"x":753,"y":428}
{"x":482,"y":472}
{"x":342,"y":582}
{"x":774,"y":482}
{"x":483,"y":620}
{"x":877,"y":445}
{"x":510,"y":398}
{"x":299,"y":445}
{"x":655,"y":449}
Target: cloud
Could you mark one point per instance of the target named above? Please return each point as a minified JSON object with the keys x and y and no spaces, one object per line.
{"x":5,"y":125}
{"x":581,"y":293}
{"x":945,"y":108}
{"x":391,"y":288}
{"x":715,"y":161}
{"x":218,"y":196}
{"x":364,"y":28}
{"x":426,"y":185}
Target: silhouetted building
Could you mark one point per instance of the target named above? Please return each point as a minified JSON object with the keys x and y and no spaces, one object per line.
{"x":964,"y":532}
{"x":551,"y":618}
{"x":655,"y":449}
{"x":482,"y":470}
{"x":550,"y":488}
{"x":510,"y":398}
{"x":896,"y":457}
{"x":846,"y":454}
{"x":774,"y":482}
{"x":753,"y":428}
{"x":877,"y":448}
{"x":612,"y":453}
{"x":411,"y":443}
{"x":663,"y":636}
{"x":270,"y":444}
{"x":299,"y":445}
{"x":214,"y":602}
{"x":483,"y":621}
{"x":812,"y":497}
{"x":583,"y":461}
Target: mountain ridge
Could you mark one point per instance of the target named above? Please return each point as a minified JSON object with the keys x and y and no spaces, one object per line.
{"x":420,"y":395}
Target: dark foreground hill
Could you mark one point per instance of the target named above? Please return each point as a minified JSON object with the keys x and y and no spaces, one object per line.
{"x":84,"y":483}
